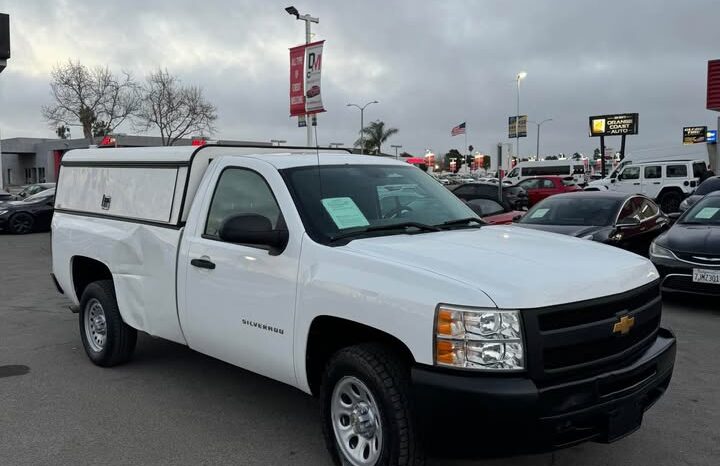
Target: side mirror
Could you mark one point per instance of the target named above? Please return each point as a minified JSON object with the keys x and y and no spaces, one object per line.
{"x":253,"y":230}
{"x":628,"y":222}
{"x":516,"y":218}
{"x":673,"y":216}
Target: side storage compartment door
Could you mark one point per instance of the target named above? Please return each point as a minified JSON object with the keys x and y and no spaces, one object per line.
{"x":238,"y":300}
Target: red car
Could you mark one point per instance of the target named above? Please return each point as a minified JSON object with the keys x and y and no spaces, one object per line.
{"x":540,"y":187}
{"x":313,"y":91}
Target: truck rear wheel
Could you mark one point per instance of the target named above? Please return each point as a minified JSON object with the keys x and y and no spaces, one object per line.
{"x":108,"y":341}
{"x":366,"y":410}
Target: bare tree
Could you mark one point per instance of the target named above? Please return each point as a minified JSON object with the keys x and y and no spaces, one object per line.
{"x":83,"y":96}
{"x":175,"y":110}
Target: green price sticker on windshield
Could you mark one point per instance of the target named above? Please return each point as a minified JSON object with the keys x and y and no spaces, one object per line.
{"x":707,"y":212}
{"x":540,"y":213}
{"x":344,"y":212}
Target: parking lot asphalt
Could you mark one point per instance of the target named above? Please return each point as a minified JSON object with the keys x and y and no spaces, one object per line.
{"x":173,"y":406}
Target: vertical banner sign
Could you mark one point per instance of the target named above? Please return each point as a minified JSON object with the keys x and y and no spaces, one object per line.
{"x":512,"y":127}
{"x":297,"y":81}
{"x":313,"y":67}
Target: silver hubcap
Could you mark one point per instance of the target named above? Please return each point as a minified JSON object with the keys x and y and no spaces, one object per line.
{"x":95,"y":325}
{"x":356,"y":422}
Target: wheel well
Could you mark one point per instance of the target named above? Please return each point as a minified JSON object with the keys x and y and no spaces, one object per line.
{"x":329,"y":334}
{"x":86,"y":271}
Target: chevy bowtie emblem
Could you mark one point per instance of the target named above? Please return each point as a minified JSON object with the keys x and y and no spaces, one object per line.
{"x":624,"y":325}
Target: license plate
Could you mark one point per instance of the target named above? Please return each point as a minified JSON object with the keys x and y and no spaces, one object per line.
{"x":706,"y":276}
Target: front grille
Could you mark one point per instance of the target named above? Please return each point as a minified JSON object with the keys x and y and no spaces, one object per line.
{"x":577,"y":339}
{"x":685,"y":283}
{"x":711,"y":260}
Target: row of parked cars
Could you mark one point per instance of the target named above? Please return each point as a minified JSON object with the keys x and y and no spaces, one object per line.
{"x":685,"y":245}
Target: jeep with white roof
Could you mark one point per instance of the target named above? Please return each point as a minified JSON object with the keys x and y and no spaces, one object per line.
{"x":362,"y":281}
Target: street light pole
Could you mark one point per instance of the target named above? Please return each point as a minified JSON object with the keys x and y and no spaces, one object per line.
{"x":362,"y":123}
{"x":520,"y":76}
{"x":308,"y":19}
{"x":396,"y":146}
{"x":537,"y":147}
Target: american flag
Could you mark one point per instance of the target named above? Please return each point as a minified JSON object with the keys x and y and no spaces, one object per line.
{"x":459,"y":129}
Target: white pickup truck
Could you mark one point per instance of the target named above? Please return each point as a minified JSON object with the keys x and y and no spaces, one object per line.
{"x":363,"y":281}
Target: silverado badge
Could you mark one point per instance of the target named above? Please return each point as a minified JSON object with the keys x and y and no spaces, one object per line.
{"x":624,"y":325}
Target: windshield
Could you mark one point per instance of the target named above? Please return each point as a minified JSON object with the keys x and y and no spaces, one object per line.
{"x":580,"y":211}
{"x":41,"y":195}
{"x":358,"y":198}
{"x":705,"y":212}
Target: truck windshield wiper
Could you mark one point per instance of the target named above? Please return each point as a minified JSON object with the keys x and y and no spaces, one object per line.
{"x":463,"y":221}
{"x":394,"y":226}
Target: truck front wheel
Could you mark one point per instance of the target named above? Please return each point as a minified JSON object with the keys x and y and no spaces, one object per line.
{"x":108,"y":341}
{"x":366,"y":408}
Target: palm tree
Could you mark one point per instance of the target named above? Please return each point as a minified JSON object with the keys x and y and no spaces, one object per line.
{"x":375,"y":136}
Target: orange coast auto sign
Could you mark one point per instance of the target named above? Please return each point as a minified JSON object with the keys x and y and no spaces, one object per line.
{"x":305,"y":72}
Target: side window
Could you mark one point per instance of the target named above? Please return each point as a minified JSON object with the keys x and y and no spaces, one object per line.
{"x":653,"y":171}
{"x":513,"y":173}
{"x":240,"y":191}
{"x":530,"y":184}
{"x":547,"y":184}
{"x":647,"y":209}
{"x":630,"y":173}
{"x":631,"y":210}
{"x":676,"y":171}
{"x":699,"y":169}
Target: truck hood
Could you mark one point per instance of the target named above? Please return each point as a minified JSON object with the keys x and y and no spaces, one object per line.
{"x":516,"y":267}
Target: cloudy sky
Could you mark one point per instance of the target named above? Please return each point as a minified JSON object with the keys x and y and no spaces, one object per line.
{"x":431,"y":64}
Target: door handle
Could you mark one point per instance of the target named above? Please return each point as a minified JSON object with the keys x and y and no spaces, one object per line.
{"x":656,"y":182}
{"x":203,"y":263}
{"x":636,"y":184}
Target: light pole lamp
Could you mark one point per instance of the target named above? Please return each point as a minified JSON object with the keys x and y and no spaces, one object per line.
{"x":308,"y":20}
{"x":396,"y":147}
{"x":537,"y":146}
{"x":520,"y":76}
{"x":362,"y":123}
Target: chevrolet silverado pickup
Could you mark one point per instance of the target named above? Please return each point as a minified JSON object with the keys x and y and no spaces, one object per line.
{"x":364,"y":282}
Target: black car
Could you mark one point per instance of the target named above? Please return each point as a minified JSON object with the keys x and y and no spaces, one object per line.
{"x":33,"y":189}
{"x":688,"y":255}
{"x":514,"y":197}
{"x":628,"y":221}
{"x":709,"y":185}
{"x":34,"y":213}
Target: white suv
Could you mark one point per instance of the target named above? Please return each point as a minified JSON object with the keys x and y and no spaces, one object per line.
{"x":668,"y":181}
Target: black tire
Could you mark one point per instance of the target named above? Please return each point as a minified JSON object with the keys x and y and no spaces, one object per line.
{"x":119,"y":339}
{"x":21,"y":223}
{"x":670,"y":202}
{"x":388,"y":379}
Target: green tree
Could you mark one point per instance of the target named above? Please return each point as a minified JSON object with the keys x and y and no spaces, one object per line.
{"x":375,"y":135}
{"x":486,"y":162}
{"x":454,"y":154}
{"x":596,"y":154}
{"x":577,"y":156}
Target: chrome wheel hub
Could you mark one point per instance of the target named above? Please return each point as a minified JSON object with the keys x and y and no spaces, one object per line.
{"x":356,"y":422}
{"x":95,"y":325}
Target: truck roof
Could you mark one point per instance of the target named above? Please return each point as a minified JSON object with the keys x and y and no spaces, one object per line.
{"x":182,"y":155}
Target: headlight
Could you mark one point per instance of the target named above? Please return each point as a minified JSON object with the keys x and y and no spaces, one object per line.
{"x":661,"y":252}
{"x":485,"y":339}
{"x":590,"y":237}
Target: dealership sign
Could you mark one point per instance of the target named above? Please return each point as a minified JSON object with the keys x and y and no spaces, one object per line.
{"x":614,"y":125}
{"x":305,"y":71}
{"x":694,"y":134}
{"x":512,"y":127}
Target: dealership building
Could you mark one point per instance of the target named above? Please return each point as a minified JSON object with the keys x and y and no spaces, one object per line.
{"x":37,"y":160}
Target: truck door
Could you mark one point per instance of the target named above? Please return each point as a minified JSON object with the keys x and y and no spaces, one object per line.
{"x":628,"y":180}
{"x":652,"y":181}
{"x":240,"y":299}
